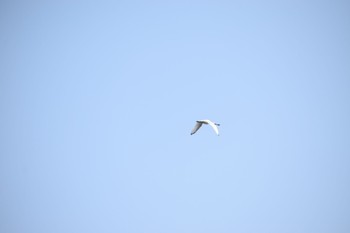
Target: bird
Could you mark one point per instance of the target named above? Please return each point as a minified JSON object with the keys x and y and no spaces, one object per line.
{"x":206,"y":122}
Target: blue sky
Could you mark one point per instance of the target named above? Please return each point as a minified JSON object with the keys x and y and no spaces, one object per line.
{"x":98,"y":99}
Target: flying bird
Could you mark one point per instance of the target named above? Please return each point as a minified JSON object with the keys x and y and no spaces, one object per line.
{"x":206,"y":122}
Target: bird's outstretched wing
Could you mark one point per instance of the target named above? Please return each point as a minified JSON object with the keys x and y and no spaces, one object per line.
{"x":215,"y":128}
{"x":196,"y":127}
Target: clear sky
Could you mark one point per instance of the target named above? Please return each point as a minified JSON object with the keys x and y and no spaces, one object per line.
{"x":98,"y":99}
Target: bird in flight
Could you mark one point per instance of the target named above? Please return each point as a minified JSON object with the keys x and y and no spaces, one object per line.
{"x":206,"y":122}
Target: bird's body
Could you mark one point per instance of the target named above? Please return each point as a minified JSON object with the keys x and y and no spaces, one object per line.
{"x":206,"y":122}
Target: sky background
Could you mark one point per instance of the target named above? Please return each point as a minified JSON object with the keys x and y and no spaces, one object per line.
{"x":98,"y":99}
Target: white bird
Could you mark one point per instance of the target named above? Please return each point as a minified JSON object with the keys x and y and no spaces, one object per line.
{"x":201,"y":122}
